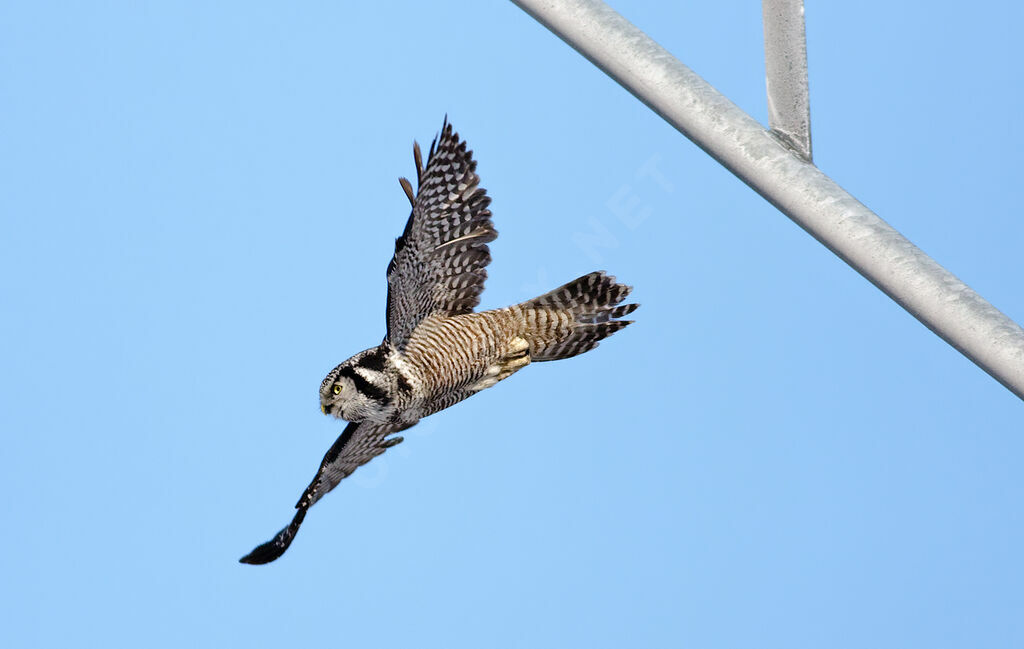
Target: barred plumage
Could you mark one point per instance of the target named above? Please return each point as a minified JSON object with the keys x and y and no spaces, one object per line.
{"x":437,"y":351}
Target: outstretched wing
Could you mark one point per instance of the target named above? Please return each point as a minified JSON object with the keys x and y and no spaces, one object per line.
{"x":440,"y":260}
{"x":358,"y":444}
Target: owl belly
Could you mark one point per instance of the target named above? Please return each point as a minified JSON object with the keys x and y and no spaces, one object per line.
{"x":453,"y":357}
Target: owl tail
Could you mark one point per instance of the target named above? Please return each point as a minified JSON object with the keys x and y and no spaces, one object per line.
{"x":591,"y":302}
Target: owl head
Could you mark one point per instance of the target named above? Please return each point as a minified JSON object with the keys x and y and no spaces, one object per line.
{"x":356,"y":390}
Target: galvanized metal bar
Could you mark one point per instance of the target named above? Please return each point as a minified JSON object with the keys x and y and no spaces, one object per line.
{"x":785,"y":62}
{"x":800,"y":190}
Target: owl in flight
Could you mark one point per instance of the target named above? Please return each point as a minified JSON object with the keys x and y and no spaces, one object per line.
{"x":438,"y":351}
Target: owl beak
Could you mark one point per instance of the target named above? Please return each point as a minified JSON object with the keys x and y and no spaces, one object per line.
{"x":323,"y":409}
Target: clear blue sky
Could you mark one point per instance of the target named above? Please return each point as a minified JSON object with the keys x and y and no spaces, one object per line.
{"x":198,"y":204}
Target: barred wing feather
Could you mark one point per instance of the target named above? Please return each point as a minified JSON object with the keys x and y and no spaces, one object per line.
{"x":357,"y":445}
{"x":440,"y":260}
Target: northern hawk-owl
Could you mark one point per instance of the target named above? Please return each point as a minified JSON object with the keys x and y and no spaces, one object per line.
{"x":437,"y":351}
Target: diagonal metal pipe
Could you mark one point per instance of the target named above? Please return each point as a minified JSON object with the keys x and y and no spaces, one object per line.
{"x":796,"y":187}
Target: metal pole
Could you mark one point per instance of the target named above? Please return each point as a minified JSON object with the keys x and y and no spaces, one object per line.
{"x":785,"y":58}
{"x":800,"y":190}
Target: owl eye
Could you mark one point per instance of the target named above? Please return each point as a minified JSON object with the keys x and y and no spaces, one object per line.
{"x":337,"y":388}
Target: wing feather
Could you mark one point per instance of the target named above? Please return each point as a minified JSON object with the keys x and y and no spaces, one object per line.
{"x":441,"y":258}
{"x":357,"y":445}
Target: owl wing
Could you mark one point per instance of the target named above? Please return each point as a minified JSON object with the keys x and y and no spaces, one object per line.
{"x":357,"y":445}
{"x":440,"y":260}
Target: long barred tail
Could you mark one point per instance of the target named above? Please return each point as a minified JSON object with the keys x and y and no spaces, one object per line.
{"x":592,"y":302}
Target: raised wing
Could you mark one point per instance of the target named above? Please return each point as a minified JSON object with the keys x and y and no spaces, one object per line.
{"x":440,"y":260}
{"x":358,"y":444}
